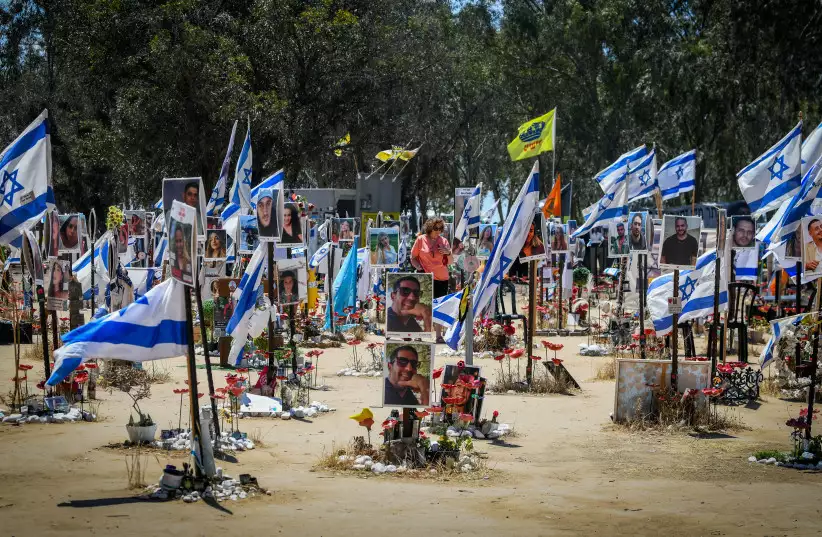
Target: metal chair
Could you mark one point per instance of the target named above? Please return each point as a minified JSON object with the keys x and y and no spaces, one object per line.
{"x":741,"y":293}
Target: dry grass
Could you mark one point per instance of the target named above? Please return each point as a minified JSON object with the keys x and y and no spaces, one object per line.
{"x":256,"y":436}
{"x":770,"y":388}
{"x":136,"y":466}
{"x":607,"y":371}
{"x":159,"y":373}
{"x":358,"y":332}
{"x":672,"y":416}
{"x":542,"y":383}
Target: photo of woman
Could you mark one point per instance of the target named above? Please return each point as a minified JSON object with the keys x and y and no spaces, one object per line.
{"x":215,"y":245}
{"x":292,"y":233}
{"x":383,"y":243}
{"x":559,"y":243}
{"x":182,"y":241}
{"x":344,"y":229}
{"x":57,"y":286}
{"x":53,"y":237}
{"x":486,"y":240}
{"x":122,"y":239}
{"x":69,"y":233}
{"x":288,"y":289}
{"x":534,"y":247}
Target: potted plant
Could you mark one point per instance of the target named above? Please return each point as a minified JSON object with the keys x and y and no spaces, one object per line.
{"x":136,"y":384}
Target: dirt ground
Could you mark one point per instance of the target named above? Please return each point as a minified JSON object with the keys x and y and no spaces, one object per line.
{"x":567,"y":471}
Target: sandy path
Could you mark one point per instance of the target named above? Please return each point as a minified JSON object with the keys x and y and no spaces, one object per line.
{"x":567,"y":472}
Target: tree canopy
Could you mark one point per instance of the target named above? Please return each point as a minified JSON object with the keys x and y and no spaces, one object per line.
{"x":142,"y":90}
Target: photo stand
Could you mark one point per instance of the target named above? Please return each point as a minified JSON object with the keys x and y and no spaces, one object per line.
{"x":561,"y":374}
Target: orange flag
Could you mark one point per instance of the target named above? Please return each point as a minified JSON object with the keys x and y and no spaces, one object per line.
{"x":553,"y":203}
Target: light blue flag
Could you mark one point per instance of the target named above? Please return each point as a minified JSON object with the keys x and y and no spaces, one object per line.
{"x":241,"y":189}
{"x":642,"y":177}
{"x":608,"y":177}
{"x":345,"y":289}
{"x":246,"y":294}
{"x":778,"y":327}
{"x":276,"y":180}
{"x":610,"y":207}
{"x":811,"y":148}
{"x":151,"y":328}
{"x":784,"y":223}
{"x":217,"y":199}
{"x":470,"y":217}
{"x":696,"y":291}
{"x":25,"y":169}
{"x":82,"y":267}
{"x":159,"y":204}
{"x":678,"y":175}
{"x":506,"y":249}
{"x":775,"y":176}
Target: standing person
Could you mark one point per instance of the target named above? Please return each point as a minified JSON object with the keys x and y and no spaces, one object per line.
{"x":432,"y":253}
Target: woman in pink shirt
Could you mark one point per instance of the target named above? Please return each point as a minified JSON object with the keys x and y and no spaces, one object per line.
{"x":432,"y":253}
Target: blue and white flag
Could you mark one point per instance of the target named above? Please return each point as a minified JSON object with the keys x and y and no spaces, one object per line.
{"x":142,"y":280}
{"x":775,"y":176}
{"x":696,"y":291}
{"x":811,"y":148}
{"x":319,"y":255}
{"x":446,"y":309}
{"x":784,"y":223}
{"x":487,"y":215}
{"x":610,"y":207}
{"x":506,"y":249}
{"x":159,"y":204}
{"x":246,"y":294}
{"x":470,"y":217}
{"x":217,"y":199}
{"x":745,"y":264}
{"x":608,"y":177}
{"x":82,"y":267}
{"x":345,"y":289}
{"x":151,"y":328}
{"x":778,"y":328}
{"x":613,"y":272}
{"x":642,"y":177}
{"x":160,"y":254}
{"x":241,"y":189}
{"x":678,"y":175}
{"x":276,"y":180}
{"x":12,"y":259}
{"x":25,"y":170}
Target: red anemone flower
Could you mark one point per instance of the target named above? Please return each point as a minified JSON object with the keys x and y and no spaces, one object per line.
{"x":25,"y":367}
{"x":80,"y":367}
{"x":448,"y":386}
{"x":499,"y":358}
{"x":91,"y":365}
{"x":451,"y":400}
{"x":434,"y":409}
{"x":420,"y":414}
{"x":536,"y":358}
{"x":437,"y":373}
{"x":507,"y":350}
{"x":281,"y":377}
{"x":466,"y":417}
{"x":180,"y":391}
{"x":237,"y":391}
{"x":461,"y":365}
{"x":41,"y":385}
{"x":218,"y":396}
{"x":556,"y":361}
{"x":495,"y":414}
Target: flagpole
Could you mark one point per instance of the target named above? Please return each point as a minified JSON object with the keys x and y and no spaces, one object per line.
{"x":292,"y":326}
{"x":814,"y":362}
{"x":92,"y":218}
{"x":191,"y":364}
{"x":215,"y":417}
{"x":642,"y":261}
{"x":674,"y":342}
{"x":41,"y":300}
{"x":270,"y":254}
{"x":712,"y":336}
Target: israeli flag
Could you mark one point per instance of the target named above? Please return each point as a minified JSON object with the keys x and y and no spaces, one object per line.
{"x":470,"y":217}
{"x":778,"y":327}
{"x":613,"y":272}
{"x":217,"y":199}
{"x":82,"y":267}
{"x":784,"y":223}
{"x":642,"y":177}
{"x":812,"y":148}
{"x":678,"y":175}
{"x":142,"y":280}
{"x":506,"y":249}
{"x":446,"y":309}
{"x":25,"y":191}
{"x":614,"y":173}
{"x":611,"y":206}
{"x":241,"y":189}
{"x":159,"y":204}
{"x":151,"y":328}
{"x":12,"y":259}
{"x":160,"y":253}
{"x":276,"y":180}
{"x":489,"y":214}
{"x":319,"y":255}
{"x":745,"y":264}
{"x":696,"y":290}
{"x":231,"y":225}
{"x":775,"y":176}
{"x":245,"y":295}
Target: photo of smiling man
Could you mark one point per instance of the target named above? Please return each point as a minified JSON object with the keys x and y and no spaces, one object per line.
{"x":407,"y":375}
{"x":409,"y":305}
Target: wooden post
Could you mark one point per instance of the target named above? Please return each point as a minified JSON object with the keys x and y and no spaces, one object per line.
{"x":41,"y":300}
{"x":674,"y":339}
{"x":777,"y":291}
{"x":532,"y":313}
{"x":292,"y":324}
{"x":55,"y":339}
{"x":558,"y":293}
{"x":196,"y":433}
{"x":712,"y":336}
{"x":270,"y":374}
{"x":814,"y":362}
{"x":642,"y":261}
{"x":215,"y":416}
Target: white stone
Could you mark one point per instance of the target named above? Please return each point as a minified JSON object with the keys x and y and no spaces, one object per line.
{"x":233,"y":497}
{"x":311,"y":412}
{"x":772,"y":460}
{"x":807,"y":455}
{"x":242,"y":495}
{"x":369,"y":464}
{"x":390,"y":468}
{"x":44,"y":419}
{"x":285,"y":415}
{"x":342,"y":458}
{"x":466,"y":468}
{"x":378,"y":468}
{"x":32,"y":419}
{"x":751,"y":459}
{"x":323,"y":408}
{"x":299,"y":412}
{"x":12,"y":417}
{"x":361,"y":459}
{"x":348,"y":373}
{"x":478,"y":434}
{"x":358,"y":467}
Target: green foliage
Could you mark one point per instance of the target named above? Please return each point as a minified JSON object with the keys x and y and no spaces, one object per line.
{"x":581,"y":275}
{"x":208,"y":312}
{"x":767,"y":454}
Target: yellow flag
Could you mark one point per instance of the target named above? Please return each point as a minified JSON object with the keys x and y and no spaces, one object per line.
{"x":342,"y":142}
{"x":553,"y":203}
{"x":397,"y":152}
{"x":535,"y":137}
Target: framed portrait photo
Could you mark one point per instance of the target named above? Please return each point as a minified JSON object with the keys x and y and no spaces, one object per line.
{"x":619,"y":245}
{"x":215,"y":245}
{"x":487,"y":238}
{"x":743,"y":233}
{"x":407,"y":369}
{"x":249,"y":235}
{"x":292,"y":281}
{"x":534,"y":246}
{"x":187,"y":190}
{"x":384,"y":246}
{"x":680,"y":241}
{"x":182,"y":242}
{"x":638,"y":225}
{"x":268,"y":214}
{"x":408,"y":303}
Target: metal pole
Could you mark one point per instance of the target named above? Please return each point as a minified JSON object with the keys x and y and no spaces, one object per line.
{"x":561,"y":260}
{"x":674,"y":342}
{"x":191,"y":364}
{"x":330,"y":291}
{"x":532,"y":317}
{"x":41,"y":299}
{"x":270,"y":374}
{"x":292,"y":325}
{"x":814,"y":361}
{"x":469,"y":321}
{"x":712,"y":336}
{"x":777,"y":291}
{"x":215,"y":417}
{"x":642,"y":261}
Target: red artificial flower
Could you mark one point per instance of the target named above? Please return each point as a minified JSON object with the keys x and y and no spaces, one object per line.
{"x":283,"y":316}
{"x":237,"y":391}
{"x":80,"y":367}
{"x":41,"y":385}
{"x":354,"y":342}
{"x":434,"y":409}
{"x":635,"y":336}
{"x":546,"y":343}
{"x":536,"y":358}
{"x":241,"y":370}
{"x":218,"y":396}
{"x":499,"y":358}
{"x":422,"y":435}
{"x":221,"y":390}
{"x":437,"y":373}
{"x":81,"y":378}
{"x":200,"y":395}
{"x":451,"y":400}
{"x":300,"y":372}
{"x":466,"y":417}
{"x":180,"y":391}
{"x":461,"y":364}
{"x":390,"y":423}
{"x":448,"y":386}
{"x":509,"y":329}
{"x":797,"y":423}
{"x":281,"y":377}
{"x":25,"y":367}
{"x":507,"y":350}
{"x":91,"y":365}
{"x":421,"y":414}
{"x":650,"y":331}
{"x":517,"y":353}
{"x":495,"y":413}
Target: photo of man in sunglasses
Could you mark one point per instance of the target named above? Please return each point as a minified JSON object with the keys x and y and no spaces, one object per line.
{"x":406,"y":308}
{"x":404,"y":385}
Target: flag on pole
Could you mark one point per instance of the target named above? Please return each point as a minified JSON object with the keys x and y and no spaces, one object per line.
{"x":490,"y":212}
{"x":678,"y":175}
{"x":614,"y":173}
{"x":745,"y":262}
{"x":775,"y":176}
{"x":342,"y":142}
{"x":151,"y":328}
{"x":778,"y":328}
{"x":470,"y":217}
{"x":217,"y":199}
{"x":25,"y":169}
{"x":446,"y":309}
{"x":241,"y":189}
{"x":397,"y":152}
{"x":506,"y":250}
{"x":249,"y":288}
{"x":82,"y":267}
{"x":553,"y":203}
{"x":159,"y":204}
{"x":611,"y":206}
{"x":160,"y":254}
{"x":784,"y":223}
{"x":642,"y":177}
{"x":534,"y":137}
{"x":696,"y":291}
{"x":812,"y":148}
{"x":319,"y":255}
{"x":345,"y":289}
{"x":276,"y":180}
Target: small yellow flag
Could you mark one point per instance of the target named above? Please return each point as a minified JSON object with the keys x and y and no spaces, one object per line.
{"x":397,"y":152}
{"x":342,"y":142}
{"x":535,"y":137}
